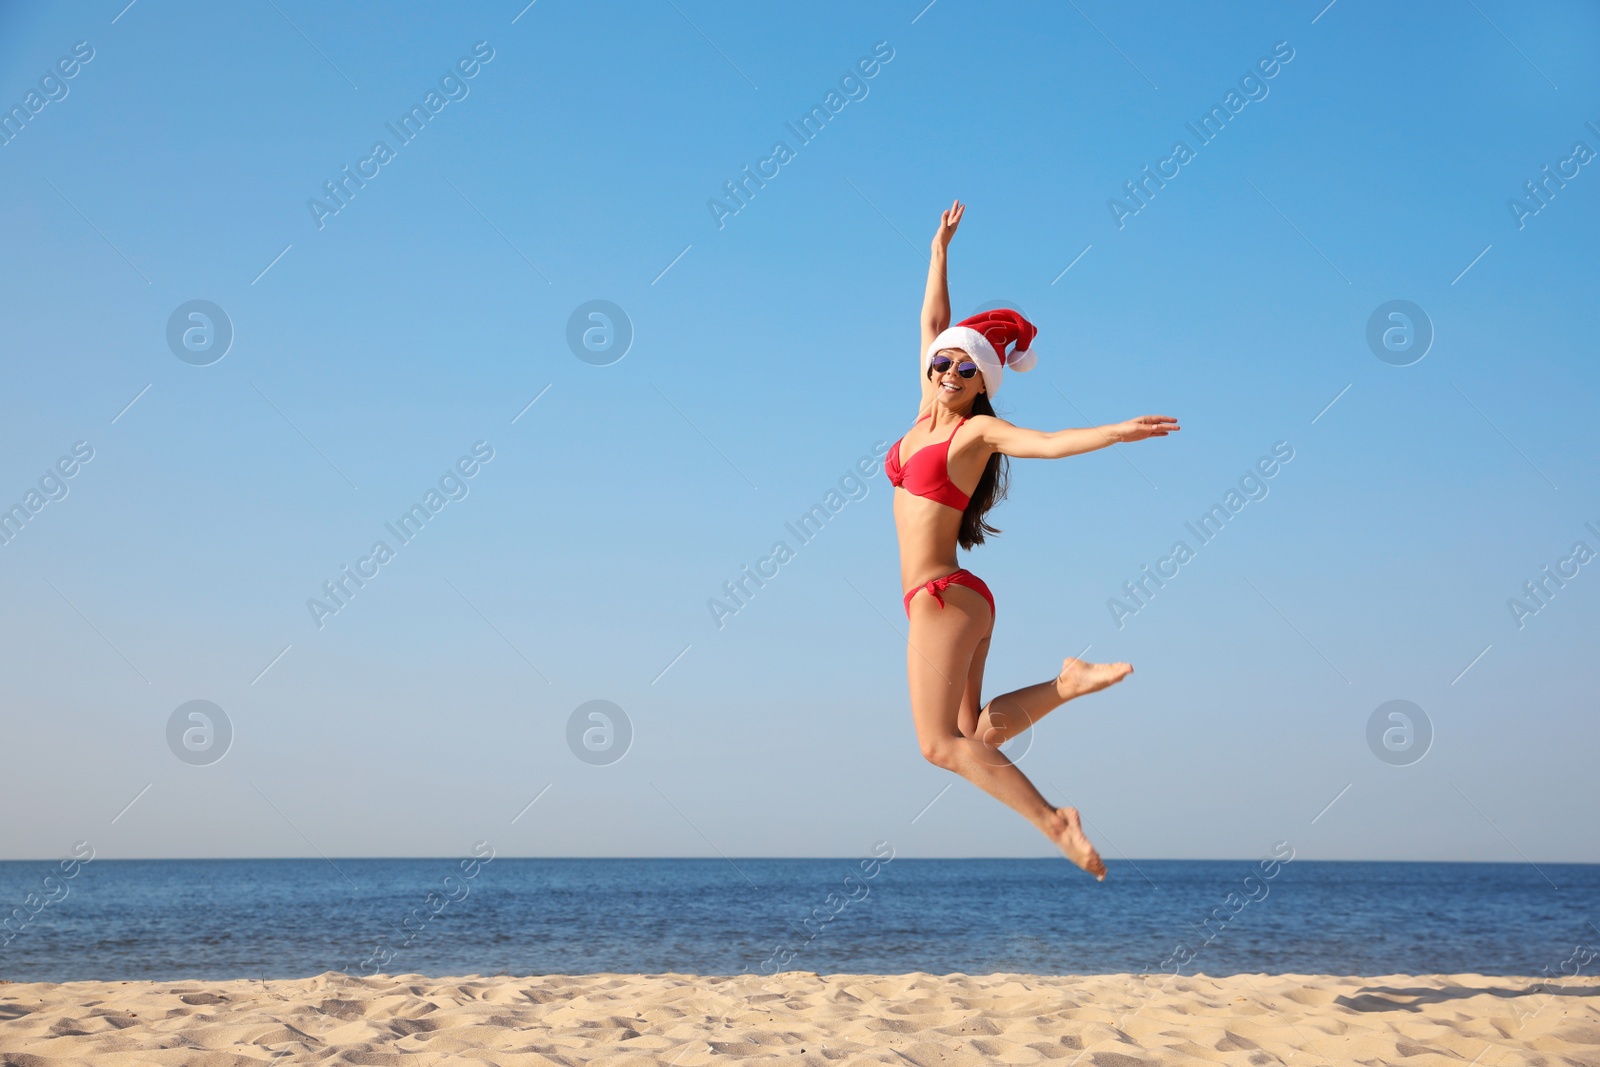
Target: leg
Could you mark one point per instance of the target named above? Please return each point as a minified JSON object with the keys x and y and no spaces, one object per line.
{"x":972,"y":699}
{"x":1010,"y":714}
{"x":938,"y":662}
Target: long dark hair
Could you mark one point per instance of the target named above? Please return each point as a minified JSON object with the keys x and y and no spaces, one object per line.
{"x":990,"y":491}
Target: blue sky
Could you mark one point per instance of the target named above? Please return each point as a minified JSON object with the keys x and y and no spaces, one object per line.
{"x":769,"y":354}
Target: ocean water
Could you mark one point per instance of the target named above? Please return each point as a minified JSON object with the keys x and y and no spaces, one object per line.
{"x":221,"y":919}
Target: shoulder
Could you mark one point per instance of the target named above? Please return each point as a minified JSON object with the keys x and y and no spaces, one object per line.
{"x":988,"y":427}
{"x":1001,"y":436}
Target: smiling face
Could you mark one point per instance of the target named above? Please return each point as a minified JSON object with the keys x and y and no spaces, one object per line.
{"x":955,"y":392}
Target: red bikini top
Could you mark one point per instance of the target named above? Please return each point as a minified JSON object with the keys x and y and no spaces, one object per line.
{"x":927,"y":472}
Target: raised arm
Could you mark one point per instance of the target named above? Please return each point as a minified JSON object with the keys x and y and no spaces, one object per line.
{"x":1022,"y":443}
{"x":936,"y":298}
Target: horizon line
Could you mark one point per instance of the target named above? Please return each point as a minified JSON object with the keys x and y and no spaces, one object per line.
{"x":842,"y":859}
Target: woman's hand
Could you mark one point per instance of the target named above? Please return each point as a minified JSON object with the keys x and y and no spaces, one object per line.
{"x":1142,"y":427}
{"x":948,"y":221}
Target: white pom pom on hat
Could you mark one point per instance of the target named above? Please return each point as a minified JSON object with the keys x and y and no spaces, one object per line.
{"x":984,"y":337}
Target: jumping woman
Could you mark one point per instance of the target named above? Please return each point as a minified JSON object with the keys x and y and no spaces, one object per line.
{"x":949,"y":470}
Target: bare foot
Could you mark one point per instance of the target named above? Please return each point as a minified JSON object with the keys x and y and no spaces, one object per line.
{"x":1069,"y":838}
{"x":1077,"y":677}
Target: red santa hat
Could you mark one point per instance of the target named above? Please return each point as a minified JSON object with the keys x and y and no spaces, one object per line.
{"x":984,"y":338}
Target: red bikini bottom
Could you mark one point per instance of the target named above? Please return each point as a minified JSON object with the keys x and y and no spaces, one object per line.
{"x":939,"y":585}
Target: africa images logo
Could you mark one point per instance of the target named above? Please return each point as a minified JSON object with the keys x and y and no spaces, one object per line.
{"x":452,"y":87}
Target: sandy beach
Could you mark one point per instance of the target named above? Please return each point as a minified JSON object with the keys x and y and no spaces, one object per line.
{"x":799,"y":1017}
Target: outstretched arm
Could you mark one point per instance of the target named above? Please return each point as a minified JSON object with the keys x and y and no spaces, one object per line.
{"x":1022,"y":443}
{"x":936,"y":299}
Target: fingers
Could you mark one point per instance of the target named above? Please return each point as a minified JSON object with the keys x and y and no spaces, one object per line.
{"x":1146,"y":426}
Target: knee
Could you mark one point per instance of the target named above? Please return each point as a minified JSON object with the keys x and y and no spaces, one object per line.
{"x":940,"y":751}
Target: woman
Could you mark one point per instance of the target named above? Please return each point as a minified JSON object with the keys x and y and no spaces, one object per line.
{"x":949,"y":470}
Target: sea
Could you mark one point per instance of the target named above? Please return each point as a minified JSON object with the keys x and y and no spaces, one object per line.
{"x":169,"y":920}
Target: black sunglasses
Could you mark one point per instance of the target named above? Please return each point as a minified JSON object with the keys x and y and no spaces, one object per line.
{"x":939,"y":364}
